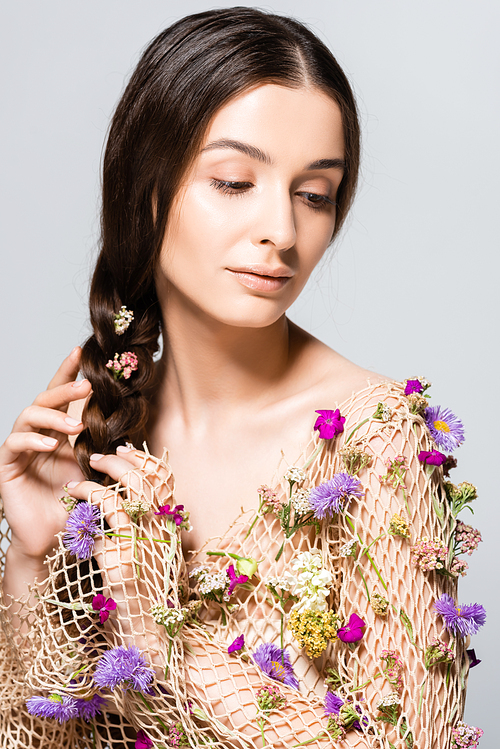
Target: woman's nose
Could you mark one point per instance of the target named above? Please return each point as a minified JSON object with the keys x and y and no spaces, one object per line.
{"x":275,"y":222}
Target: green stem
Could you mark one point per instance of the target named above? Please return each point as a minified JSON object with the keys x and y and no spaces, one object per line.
{"x":257,"y":516}
{"x":134,"y":543}
{"x":364,"y":581}
{"x":365,"y":551}
{"x":375,"y":540}
{"x":139,"y":538}
{"x":280,"y":552}
{"x":282,"y":636}
{"x":169,"y":654}
{"x":358,"y":426}
{"x":224,"y":619}
{"x":357,"y":687}
{"x":319,"y":737}
{"x":261,"y":723}
{"x":313,"y":456}
{"x":162,"y":724}
{"x":421,"y":698}
{"x":406,"y":502}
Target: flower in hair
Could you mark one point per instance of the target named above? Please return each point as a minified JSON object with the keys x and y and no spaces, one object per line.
{"x":82,"y":527}
{"x":122,"y":320}
{"x":123,"y":365}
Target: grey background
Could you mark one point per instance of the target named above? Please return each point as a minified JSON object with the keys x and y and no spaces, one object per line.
{"x":412,"y":286}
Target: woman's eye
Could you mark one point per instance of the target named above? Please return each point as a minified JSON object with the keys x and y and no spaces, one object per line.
{"x":317,"y":202}
{"x":230,"y":188}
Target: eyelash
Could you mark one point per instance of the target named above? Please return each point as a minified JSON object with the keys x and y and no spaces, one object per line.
{"x":238,"y":188}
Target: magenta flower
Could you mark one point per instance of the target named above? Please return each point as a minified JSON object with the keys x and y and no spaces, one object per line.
{"x":103,"y":605}
{"x":174,"y":513}
{"x":463,"y":620}
{"x":413,"y":386}
{"x":334,"y":495}
{"x":82,"y":527}
{"x":329,"y":424}
{"x":353,"y":630}
{"x":446,"y":429}
{"x":432,"y":457}
{"x":234,"y":580}
{"x":142,"y":741}
{"x":237,"y":645}
{"x":57,"y":706}
{"x":276,"y":663}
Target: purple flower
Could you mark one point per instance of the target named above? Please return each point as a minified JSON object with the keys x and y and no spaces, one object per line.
{"x":123,"y":667}
{"x":55,"y":706}
{"x":329,"y":424}
{"x":353,"y":630}
{"x":103,"y":605}
{"x":276,"y":663}
{"x":333,"y":703}
{"x":235,"y":580}
{"x":237,"y":644}
{"x":432,"y":458}
{"x":413,"y":386}
{"x":174,"y":513}
{"x":446,"y":429}
{"x":88,"y":709}
{"x":142,"y":741}
{"x":473,"y":661}
{"x":334,"y":495}
{"x":82,"y":526}
{"x":462,"y":620}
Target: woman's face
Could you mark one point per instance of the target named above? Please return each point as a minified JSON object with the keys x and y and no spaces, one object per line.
{"x":256,"y":211}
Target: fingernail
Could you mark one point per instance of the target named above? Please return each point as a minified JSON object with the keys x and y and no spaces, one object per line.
{"x":72,"y":484}
{"x":73,"y":350}
{"x":96,"y":456}
{"x":79,"y":383}
{"x":72,"y":422}
{"x":50,"y":441}
{"x":123,"y":449}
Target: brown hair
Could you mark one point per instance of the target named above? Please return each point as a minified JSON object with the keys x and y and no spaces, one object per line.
{"x":186,"y":74}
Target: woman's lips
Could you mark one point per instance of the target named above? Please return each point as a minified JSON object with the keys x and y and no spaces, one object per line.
{"x":258,"y":281}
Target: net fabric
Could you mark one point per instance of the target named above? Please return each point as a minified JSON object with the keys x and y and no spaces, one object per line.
{"x":200,"y":672}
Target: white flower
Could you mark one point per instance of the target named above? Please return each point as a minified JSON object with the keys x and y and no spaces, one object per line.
{"x":285,"y":583}
{"x":300,"y":501}
{"x":295,"y":474}
{"x":389,"y":699}
{"x":348,"y":549}
{"x":313,"y":582}
{"x":209,"y":583}
{"x":199,"y":572}
{"x":308,"y":561}
{"x":122,"y":320}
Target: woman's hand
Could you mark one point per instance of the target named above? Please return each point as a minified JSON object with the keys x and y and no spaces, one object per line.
{"x":36,"y":460}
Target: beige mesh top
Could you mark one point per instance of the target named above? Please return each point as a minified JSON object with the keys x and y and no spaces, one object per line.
{"x":61,"y":641}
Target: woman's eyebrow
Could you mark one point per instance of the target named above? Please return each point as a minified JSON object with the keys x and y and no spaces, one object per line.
{"x":259,"y":155}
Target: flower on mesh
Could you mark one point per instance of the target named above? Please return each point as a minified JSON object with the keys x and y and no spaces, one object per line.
{"x":168,"y":616}
{"x":122,"y":365}
{"x":136,"y":505}
{"x":142,"y":741}
{"x":329,"y":424}
{"x":103,"y":606}
{"x":269,"y":497}
{"x":349,"y":549}
{"x":334,"y":496}
{"x":393,"y":669}
{"x":122,"y":320}
{"x":295,"y":475}
{"x":396,"y":471}
{"x":379,"y":604}
{"x":237,"y":645}
{"x":418,"y":403}
{"x":82,"y":528}
{"x":429,"y":555}
{"x":464,"y":736}
{"x":431,"y":457}
{"x":234,"y":580}
{"x":313,"y":582}
{"x":399,"y":526}
{"x":285,"y":583}
{"x":175,"y":513}
{"x":473,"y":661}
{"x":60,"y":707}
{"x":413,"y":386}
{"x":313,"y":630}
{"x":449,"y":464}
{"x":276,"y":663}
{"x":125,"y":667}
{"x":438,"y":652}
{"x":270,"y":698}
{"x":446,"y":429}
{"x":177,"y":735}
{"x":247,"y":566}
{"x":458,"y":567}
{"x":300,"y":501}
{"x":88,"y":709}
{"x":463,"y":620}
{"x":348,"y":714}
{"x":353,"y":631}
{"x":389,"y":700}
{"x":467,"y":538}
{"x":335,"y":728}
{"x":382,"y":412}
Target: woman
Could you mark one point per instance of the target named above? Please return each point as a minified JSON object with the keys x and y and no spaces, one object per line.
{"x":230,"y":166}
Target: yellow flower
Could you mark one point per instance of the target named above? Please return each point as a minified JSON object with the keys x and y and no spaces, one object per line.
{"x":313,"y":630}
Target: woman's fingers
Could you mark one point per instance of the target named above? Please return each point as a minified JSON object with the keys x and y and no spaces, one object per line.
{"x":61,"y":396}
{"x":38,"y":417}
{"x":68,"y":369}
{"x":115,"y":466}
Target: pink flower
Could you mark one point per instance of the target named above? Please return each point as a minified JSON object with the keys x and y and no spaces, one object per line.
{"x":413,"y":386}
{"x":103,"y":605}
{"x":174,"y":513}
{"x":237,"y":645}
{"x":432,"y":458}
{"x":235,"y":580}
{"x":122,"y":365}
{"x":142,"y":741}
{"x":329,"y":424}
{"x":353,"y":631}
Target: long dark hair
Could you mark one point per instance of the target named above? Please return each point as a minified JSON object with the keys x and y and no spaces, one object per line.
{"x":186,"y":74}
